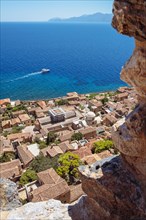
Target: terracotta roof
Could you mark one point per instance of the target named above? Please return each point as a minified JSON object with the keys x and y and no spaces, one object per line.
{"x":46,"y":191}
{"x":66,"y":136}
{"x":110,"y":118}
{"x":52,"y":152}
{"x":4,"y":101}
{"x":82,"y":152}
{"x":44,"y":120}
{"x":24,"y":117}
{"x":15,"y":121}
{"x":16,"y":136}
{"x":75,"y":192}
{"x":88,"y":130}
{"x":5,"y":146}
{"x":18,"y":112}
{"x":8,"y":169}
{"x":25,"y":155}
{"x":64,"y":146}
{"x":104,"y":154}
{"x":6,"y":165}
{"x":9,"y":173}
{"x":72,"y":94}
{"x":49,"y":177}
{"x":42,"y":104}
{"x":91,"y":159}
{"x":7,"y":122}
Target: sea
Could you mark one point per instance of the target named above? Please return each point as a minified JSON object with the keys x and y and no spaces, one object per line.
{"x":85,"y":58}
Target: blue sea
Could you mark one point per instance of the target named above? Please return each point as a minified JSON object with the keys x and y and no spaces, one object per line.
{"x":85,"y":58}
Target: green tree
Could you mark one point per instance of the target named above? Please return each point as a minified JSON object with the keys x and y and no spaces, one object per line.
{"x":102,"y":145}
{"x":77,"y":136}
{"x":104,"y":100}
{"x":41,"y":163}
{"x":27,"y":177}
{"x":17,"y":129}
{"x":92,"y":95}
{"x":42,"y":144}
{"x":62,"y":102}
{"x":68,"y":167}
{"x":51,"y":137}
{"x":6,"y":157}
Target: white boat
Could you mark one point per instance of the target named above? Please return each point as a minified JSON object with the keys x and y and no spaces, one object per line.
{"x":45,"y":70}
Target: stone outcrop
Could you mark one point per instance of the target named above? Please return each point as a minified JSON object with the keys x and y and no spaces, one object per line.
{"x":130,"y":138}
{"x":8,"y":195}
{"x":130,"y":18}
{"x":118,"y":186}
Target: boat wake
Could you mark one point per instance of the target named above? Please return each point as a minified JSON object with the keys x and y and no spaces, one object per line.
{"x":26,"y":76}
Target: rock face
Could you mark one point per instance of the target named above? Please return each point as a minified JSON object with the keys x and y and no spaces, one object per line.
{"x":130,"y":138}
{"x":117,"y":187}
{"x":130,"y":18}
{"x":8,"y":195}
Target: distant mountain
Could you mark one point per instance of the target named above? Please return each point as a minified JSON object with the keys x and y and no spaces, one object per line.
{"x":94,"y":18}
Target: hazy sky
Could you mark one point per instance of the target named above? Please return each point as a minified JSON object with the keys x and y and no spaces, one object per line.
{"x":43,"y":10}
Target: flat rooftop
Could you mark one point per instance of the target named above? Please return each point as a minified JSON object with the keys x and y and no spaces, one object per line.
{"x":57,"y":111}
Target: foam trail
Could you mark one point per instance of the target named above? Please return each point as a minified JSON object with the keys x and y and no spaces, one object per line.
{"x":23,"y":77}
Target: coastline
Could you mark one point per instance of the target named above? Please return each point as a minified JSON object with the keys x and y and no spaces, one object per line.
{"x":61,"y":97}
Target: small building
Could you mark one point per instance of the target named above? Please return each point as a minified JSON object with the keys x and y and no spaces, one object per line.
{"x":25,"y":155}
{"x":6,"y":124}
{"x":52,"y":151}
{"x":121,"y":96}
{"x":90,"y":116}
{"x":21,"y":137}
{"x":44,"y":120}
{"x":57,"y":115}
{"x":90,"y":159}
{"x":89,"y":132}
{"x":18,"y":113}
{"x":83,"y":152}
{"x":45,"y":192}
{"x":66,"y":137}
{"x":6,"y":146}
{"x":10,"y":170}
{"x":109,"y":120}
{"x":96,"y":104}
{"x":65,"y":146}
{"x":52,"y":187}
{"x":5,"y":101}
{"x":41,"y":104}
{"x":48,"y":176}
{"x":97,"y":120}
{"x":15,"y":121}
{"x":24,"y":118}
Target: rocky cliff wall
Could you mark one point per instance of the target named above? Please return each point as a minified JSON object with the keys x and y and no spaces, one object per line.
{"x":118,"y":186}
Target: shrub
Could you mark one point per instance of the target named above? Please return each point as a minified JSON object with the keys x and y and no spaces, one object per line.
{"x":68,"y":167}
{"x":41,"y":163}
{"x":102,"y":145}
{"x":42,"y":144}
{"x":92,"y":95}
{"x":62,"y":102}
{"x":17,"y":129}
{"x":77,"y":136}
{"x":18,"y":108}
{"x":51,"y":137}
{"x":104,"y":100}
{"x":7,"y":157}
{"x":27,"y":177}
